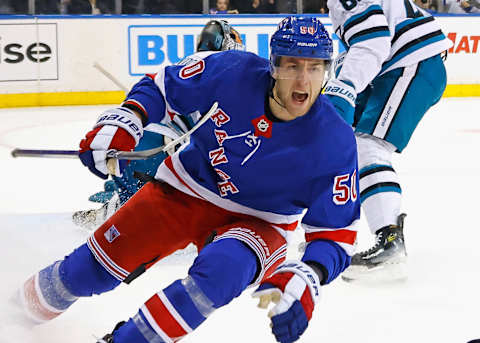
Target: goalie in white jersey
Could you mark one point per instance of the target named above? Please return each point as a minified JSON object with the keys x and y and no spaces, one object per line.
{"x":391,"y":73}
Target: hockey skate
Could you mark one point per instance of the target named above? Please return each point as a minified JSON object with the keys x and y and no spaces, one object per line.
{"x":91,"y":219}
{"x":109,"y":190}
{"x":108,"y":338}
{"x":385,"y":261}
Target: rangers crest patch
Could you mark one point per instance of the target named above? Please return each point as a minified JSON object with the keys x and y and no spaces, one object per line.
{"x":111,"y":234}
{"x":263,"y":126}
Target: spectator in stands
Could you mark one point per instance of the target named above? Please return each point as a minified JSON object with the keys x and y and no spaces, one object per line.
{"x":423,"y":3}
{"x":322,"y":7}
{"x":105,"y":6}
{"x":315,"y":6}
{"x":250,"y":6}
{"x":222,"y":7}
{"x":462,"y":6}
{"x":428,"y":5}
{"x":256,"y":6}
{"x":268,"y":6}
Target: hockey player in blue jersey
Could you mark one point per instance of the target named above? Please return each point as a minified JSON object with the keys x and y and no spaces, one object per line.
{"x":393,"y":62}
{"x":217,"y":35}
{"x":274,"y":154}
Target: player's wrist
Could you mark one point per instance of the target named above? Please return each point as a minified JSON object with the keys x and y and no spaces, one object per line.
{"x":342,"y":89}
{"x":342,"y":95}
{"x":306,"y":272}
{"x":320,"y":270}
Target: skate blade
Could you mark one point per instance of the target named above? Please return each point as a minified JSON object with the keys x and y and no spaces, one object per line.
{"x":92,"y":219}
{"x":382,"y":274}
{"x":89,"y":219}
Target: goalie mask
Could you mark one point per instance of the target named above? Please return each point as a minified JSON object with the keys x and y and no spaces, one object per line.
{"x":219,"y":35}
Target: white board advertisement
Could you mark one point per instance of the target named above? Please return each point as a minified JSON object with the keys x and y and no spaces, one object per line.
{"x":28,"y":52}
{"x":58,"y":53}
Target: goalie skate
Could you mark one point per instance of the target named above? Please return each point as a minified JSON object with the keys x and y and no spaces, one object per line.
{"x":91,"y":219}
{"x":386,"y":261}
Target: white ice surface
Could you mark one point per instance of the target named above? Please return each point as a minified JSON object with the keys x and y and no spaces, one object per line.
{"x":440,"y":301}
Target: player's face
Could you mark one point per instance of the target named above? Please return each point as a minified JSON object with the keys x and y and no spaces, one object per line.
{"x":298,"y":83}
{"x":222,"y":5}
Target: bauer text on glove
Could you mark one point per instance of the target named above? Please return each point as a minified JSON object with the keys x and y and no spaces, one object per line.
{"x":116,"y":129}
{"x":294,"y":288}
{"x":343,"y":96}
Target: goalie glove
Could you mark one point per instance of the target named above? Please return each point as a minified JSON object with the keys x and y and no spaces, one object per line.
{"x":116,"y":129}
{"x":294,"y":288}
{"x":343,"y":96}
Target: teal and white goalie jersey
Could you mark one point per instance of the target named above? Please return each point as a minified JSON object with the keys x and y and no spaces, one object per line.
{"x":381,"y":35}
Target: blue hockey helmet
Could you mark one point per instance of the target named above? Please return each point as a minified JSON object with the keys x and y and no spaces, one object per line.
{"x":300,"y":37}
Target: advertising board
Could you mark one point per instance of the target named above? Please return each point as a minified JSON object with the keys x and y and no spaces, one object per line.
{"x":28,"y":52}
{"x":60,"y":60}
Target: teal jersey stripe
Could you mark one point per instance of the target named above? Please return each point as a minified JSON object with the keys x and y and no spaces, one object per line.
{"x":380,"y":190}
{"x":372,"y":166}
{"x":413,"y":48}
{"x":383,"y":33}
{"x":356,"y":16}
{"x":407,"y":22}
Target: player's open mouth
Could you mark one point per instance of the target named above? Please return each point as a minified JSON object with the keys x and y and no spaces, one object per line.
{"x":299,"y":96}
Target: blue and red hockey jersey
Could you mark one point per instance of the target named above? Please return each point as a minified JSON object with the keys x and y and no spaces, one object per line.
{"x":286,"y":173}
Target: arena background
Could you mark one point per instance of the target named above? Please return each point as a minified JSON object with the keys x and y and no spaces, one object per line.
{"x":65,"y":59}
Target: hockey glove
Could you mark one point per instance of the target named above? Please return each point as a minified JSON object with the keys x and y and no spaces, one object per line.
{"x":116,"y":129}
{"x":295,"y":288}
{"x":343,"y":96}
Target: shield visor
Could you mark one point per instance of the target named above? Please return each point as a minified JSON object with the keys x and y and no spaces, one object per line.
{"x":314,"y":69}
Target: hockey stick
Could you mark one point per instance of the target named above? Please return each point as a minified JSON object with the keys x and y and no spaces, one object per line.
{"x":114,"y":154}
{"x":44,"y":153}
{"x":144,"y":154}
{"x":110,"y":77}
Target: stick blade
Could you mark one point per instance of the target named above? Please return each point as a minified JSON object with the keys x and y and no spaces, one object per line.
{"x":14,"y":153}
